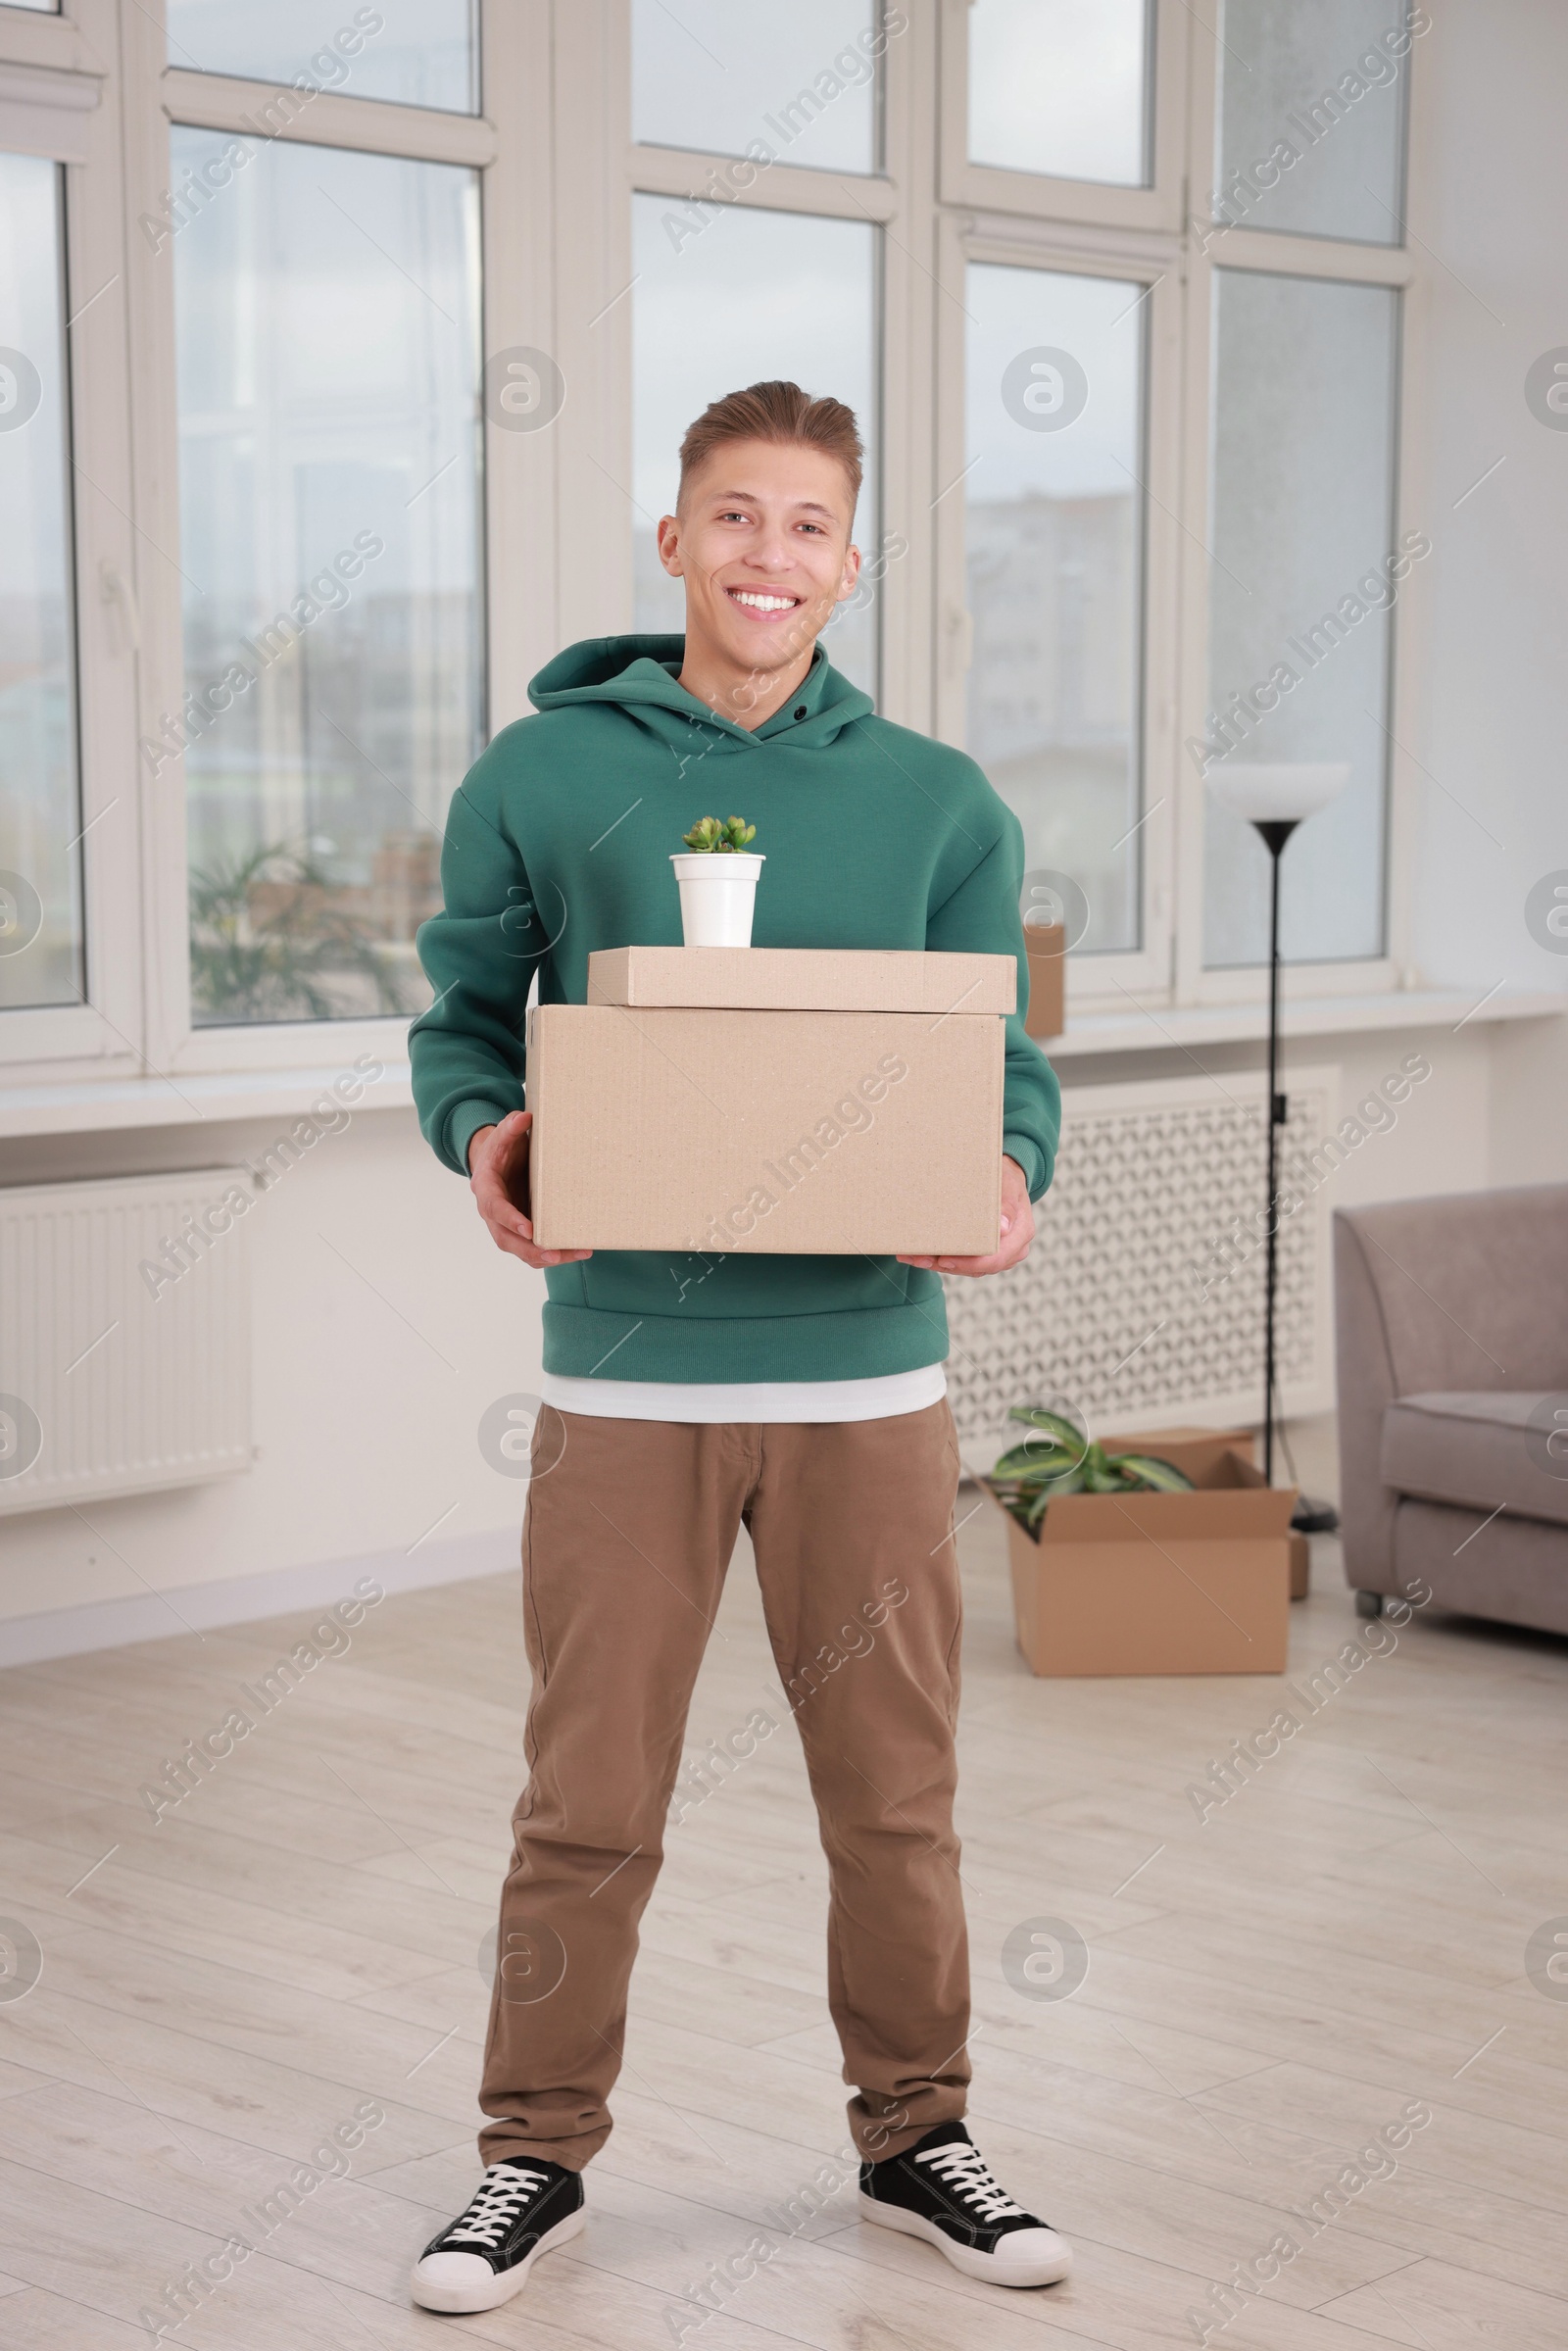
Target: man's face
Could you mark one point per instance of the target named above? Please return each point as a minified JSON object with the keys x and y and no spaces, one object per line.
{"x":762,"y":540}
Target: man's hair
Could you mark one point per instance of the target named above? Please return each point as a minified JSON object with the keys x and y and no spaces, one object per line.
{"x":774,"y":412}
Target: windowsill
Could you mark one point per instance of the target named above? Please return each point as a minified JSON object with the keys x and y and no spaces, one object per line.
{"x":101,"y":1103}
{"x":75,"y":1106}
{"x":1127,"y":1028}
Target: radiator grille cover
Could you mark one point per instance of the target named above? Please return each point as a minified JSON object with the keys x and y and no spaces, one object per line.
{"x":113,"y":1380}
{"x":1108,"y":1312}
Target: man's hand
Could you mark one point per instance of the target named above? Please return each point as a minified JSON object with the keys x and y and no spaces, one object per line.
{"x":1017,"y":1231}
{"x":498,"y":1176}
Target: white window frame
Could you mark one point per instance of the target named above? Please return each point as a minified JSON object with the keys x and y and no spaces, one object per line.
{"x":1129,"y":258}
{"x":61,"y":102}
{"x":507,"y":144}
{"x":1210,"y":245}
{"x":1104,"y":204}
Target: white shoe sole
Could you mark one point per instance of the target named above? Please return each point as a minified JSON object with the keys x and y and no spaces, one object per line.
{"x":504,"y":2284}
{"x":1046,"y":2270}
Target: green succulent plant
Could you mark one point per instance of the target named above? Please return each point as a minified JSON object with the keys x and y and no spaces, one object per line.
{"x":730,"y":833}
{"x":1058,"y":1459}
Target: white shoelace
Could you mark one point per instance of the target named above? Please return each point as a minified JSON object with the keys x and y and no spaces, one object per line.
{"x":505,"y":2189}
{"x":961,"y":2167}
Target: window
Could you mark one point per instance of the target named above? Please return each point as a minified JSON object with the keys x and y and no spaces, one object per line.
{"x":1305,"y":576}
{"x":414,"y":52}
{"x":1060,"y":87}
{"x":1313,"y":118}
{"x":326,"y":315}
{"x":348,"y":351}
{"x":1305,"y":267}
{"x":799,"y":82}
{"x":1053,"y":539}
{"x":42,"y":958}
{"x":755,"y":294}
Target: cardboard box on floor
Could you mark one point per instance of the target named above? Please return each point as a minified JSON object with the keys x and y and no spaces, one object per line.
{"x":1159,"y":1583}
{"x":1046,"y":945}
{"x":778,"y":1100}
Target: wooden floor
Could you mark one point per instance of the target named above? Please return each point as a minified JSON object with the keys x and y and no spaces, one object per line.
{"x":304,"y":1933}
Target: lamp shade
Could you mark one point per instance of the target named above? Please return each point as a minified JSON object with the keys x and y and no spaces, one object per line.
{"x":1281,"y":795}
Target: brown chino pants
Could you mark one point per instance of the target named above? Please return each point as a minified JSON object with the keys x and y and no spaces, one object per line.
{"x":627,"y":1534}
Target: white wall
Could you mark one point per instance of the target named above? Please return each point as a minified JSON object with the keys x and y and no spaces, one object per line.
{"x":367,"y":1391}
{"x":368,"y":1404}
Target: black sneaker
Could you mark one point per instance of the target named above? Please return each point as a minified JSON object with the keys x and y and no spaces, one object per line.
{"x":941,"y":2189}
{"x":523,"y":2207}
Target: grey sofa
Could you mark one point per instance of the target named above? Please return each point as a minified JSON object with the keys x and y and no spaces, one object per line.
{"x":1451,"y":1341}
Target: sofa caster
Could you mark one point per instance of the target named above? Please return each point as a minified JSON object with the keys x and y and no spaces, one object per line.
{"x":1369,"y":1603}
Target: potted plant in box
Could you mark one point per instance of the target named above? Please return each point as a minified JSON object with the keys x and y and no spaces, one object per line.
{"x":1126,"y":1561}
{"x":717,"y":879}
{"x":1058,"y":1459}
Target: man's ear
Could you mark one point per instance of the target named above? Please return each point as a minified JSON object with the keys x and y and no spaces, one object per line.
{"x":669,"y":541}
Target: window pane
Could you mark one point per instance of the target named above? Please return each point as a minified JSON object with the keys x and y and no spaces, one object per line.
{"x":1060,"y":87}
{"x":1299,"y":597}
{"x":1054,"y":527}
{"x":801,"y":80}
{"x":327,"y":312}
{"x":1312,"y":118}
{"x":41,"y":919}
{"x":753,"y":295}
{"x":414,"y":52}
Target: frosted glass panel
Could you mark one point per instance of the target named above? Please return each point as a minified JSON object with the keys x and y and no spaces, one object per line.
{"x":759,"y":294}
{"x":40,"y":918}
{"x":1062,"y":86}
{"x":1311,"y":117}
{"x":720,"y":75}
{"x":413,"y":52}
{"x":1054,"y":527}
{"x":327,"y":334}
{"x":1305,"y":575}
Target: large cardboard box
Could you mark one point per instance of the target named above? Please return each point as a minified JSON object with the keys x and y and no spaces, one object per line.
{"x":776,"y":1099}
{"x":1159,"y":1583}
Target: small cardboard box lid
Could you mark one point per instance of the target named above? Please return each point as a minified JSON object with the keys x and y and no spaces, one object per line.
{"x":802,"y":979}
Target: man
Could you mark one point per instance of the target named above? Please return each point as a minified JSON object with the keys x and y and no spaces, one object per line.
{"x":684,"y":1396}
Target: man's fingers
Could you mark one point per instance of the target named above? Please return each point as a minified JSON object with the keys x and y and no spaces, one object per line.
{"x":998,"y":1262}
{"x":513,"y":1235}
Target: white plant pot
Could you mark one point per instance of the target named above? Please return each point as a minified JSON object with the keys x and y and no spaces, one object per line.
{"x":717,"y":894}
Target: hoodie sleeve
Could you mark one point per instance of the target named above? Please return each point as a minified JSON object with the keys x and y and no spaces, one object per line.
{"x":981,"y":917}
{"x":479,"y":955}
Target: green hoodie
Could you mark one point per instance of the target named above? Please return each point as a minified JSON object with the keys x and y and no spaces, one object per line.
{"x":557,"y":841}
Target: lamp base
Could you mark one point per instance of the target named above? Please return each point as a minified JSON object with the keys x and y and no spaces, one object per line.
{"x":1312,"y":1517}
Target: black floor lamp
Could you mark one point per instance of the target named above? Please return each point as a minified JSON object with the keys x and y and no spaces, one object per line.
{"x":1275,"y":800}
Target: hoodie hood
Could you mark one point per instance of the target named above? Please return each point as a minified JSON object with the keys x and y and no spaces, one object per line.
{"x":639,"y":676}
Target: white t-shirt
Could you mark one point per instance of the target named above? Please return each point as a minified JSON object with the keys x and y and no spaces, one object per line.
{"x":876,"y":1398}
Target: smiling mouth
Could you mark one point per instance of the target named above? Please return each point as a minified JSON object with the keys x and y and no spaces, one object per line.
{"x":763,"y":600}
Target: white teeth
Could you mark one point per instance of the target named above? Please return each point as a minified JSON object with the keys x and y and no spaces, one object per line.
{"x":765,"y":603}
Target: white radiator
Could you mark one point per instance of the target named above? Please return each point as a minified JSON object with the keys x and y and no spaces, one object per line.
{"x":1125,"y":1307}
{"x":125,"y":1336}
